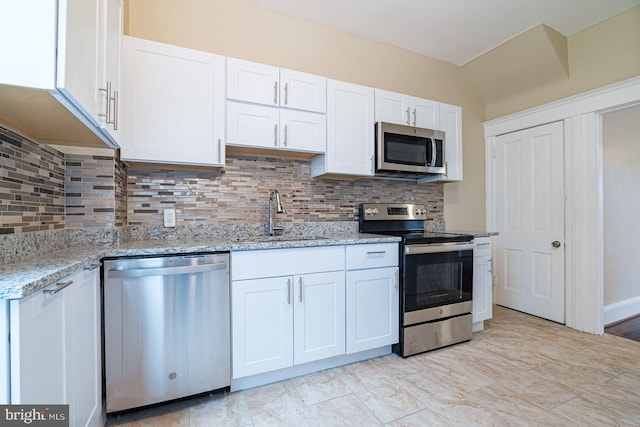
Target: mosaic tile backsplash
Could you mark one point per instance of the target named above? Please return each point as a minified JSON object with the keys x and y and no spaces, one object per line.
{"x":95,"y":198}
{"x":240,"y":194}
{"x":31,"y":185}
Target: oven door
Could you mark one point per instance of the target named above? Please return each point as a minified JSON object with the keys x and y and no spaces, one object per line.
{"x":437,"y":281}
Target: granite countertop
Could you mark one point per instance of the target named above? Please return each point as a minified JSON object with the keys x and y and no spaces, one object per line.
{"x":22,"y":278}
{"x":474,"y":233}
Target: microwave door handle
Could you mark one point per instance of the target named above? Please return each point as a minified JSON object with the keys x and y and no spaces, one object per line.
{"x":433,"y":152}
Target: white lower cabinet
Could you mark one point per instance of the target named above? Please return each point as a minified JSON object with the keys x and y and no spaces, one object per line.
{"x":287,"y":320}
{"x":372,"y":308}
{"x":482,"y":281}
{"x":55,"y":347}
{"x":372,"y":296}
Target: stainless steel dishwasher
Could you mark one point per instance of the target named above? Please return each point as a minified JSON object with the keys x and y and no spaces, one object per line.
{"x":166,"y":328}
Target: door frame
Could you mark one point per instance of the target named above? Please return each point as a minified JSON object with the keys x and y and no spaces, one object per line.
{"x":583,"y":171}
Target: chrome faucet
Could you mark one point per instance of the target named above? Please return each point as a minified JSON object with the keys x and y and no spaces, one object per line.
{"x":272,"y":228}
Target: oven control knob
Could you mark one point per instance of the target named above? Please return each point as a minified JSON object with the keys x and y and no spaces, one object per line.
{"x":421,"y":212}
{"x":371,"y":211}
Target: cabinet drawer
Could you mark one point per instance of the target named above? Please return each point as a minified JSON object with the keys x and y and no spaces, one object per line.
{"x":286,"y":262}
{"x":372,"y":256}
{"x":483,"y":246}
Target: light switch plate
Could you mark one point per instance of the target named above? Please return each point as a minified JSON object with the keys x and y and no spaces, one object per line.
{"x":169,"y":217}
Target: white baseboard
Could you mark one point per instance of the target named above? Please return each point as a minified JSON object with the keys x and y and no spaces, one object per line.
{"x":621,"y":310}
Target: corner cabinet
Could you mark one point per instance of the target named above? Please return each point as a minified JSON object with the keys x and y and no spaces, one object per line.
{"x":55,"y":347}
{"x":350,"y":131}
{"x":69,"y":50}
{"x":482,"y":282}
{"x":372,"y":296}
{"x":173,"y":107}
{"x":288,"y":307}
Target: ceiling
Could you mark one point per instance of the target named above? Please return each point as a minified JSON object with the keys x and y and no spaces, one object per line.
{"x":455,"y":31}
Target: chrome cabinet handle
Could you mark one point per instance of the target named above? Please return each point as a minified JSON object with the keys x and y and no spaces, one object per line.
{"x":275,"y":135}
{"x":285,"y":135}
{"x":396,"y":275}
{"x":219,"y":151}
{"x":288,"y":291}
{"x":114,"y":122}
{"x":275,"y":93}
{"x":59,"y":287}
{"x":301,"y":288}
{"x":372,"y":163}
{"x":483,"y":244}
{"x":92,"y":266}
{"x":376,"y":252}
{"x":490,"y":265}
{"x":286,"y":93}
{"x":414,"y":117}
{"x":446,"y":169}
{"x":107,"y":114}
{"x":555,"y":244}
{"x":408,"y":115}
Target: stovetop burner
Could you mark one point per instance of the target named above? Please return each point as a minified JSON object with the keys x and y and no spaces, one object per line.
{"x":404,"y":220}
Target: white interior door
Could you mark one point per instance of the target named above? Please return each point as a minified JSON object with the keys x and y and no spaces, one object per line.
{"x":530,"y":219}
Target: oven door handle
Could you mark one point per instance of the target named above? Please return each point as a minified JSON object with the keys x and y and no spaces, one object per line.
{"x":437,"y":248}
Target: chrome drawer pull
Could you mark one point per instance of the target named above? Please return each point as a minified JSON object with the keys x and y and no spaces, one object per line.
{"x":376,"y":252}
{"x":59,"y":287}
{"x":92,"y":266}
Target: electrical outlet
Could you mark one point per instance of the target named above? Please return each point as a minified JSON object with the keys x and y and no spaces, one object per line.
{"x":169,"y":217}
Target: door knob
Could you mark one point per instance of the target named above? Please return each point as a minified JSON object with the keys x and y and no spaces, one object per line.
{"x":555,"y":244}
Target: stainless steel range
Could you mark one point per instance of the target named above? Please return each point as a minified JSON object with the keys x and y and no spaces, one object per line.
{"x":436,"y":277}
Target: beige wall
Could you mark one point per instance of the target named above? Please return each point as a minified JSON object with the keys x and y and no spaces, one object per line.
{"x":600,"y":55}
{"x":621,"y":199}
{"x":232,"y":28}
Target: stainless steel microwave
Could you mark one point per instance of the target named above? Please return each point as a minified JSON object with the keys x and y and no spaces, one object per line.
{"x":409,"y":150}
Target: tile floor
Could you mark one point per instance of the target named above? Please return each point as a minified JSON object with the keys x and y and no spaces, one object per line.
{"x":520,"y":371}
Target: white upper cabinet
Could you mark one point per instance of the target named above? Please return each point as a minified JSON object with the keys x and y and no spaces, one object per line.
{"x":392,"y":107}
{"x":263,"y":84}
{"x":61,"y":50}
{"x":173,"y":104}
{"x":110,"y":39}
{"x":350,"y":126}
{"x":259,"y":126}
{"x":77,"y":66}
{"x":303,"y":91}
{"x":451,"y":124}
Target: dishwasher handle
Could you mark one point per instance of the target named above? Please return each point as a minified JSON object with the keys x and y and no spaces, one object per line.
{"x":166,"y":271}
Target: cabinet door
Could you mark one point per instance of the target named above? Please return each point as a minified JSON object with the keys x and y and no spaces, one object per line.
{"x":303,"y":131}
{"x":262,"y":319}
{"x":41,"y":331}
{"x":86,"y":406}
{"x":451,"y":124}
{"x":109,"y":67}
{"x":482,"y":289}
{"x":303,"y":91}
{"x":252,"y":125}
{"x":77,"y":61}
{"x":392,"y":107}
{"x":372,"y":308}
{"x":350,"y":125}
{"x":425,"y":113}
{"x":252,"y":82}
{"x":172,"y":107}
{"x":319,"y":316}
